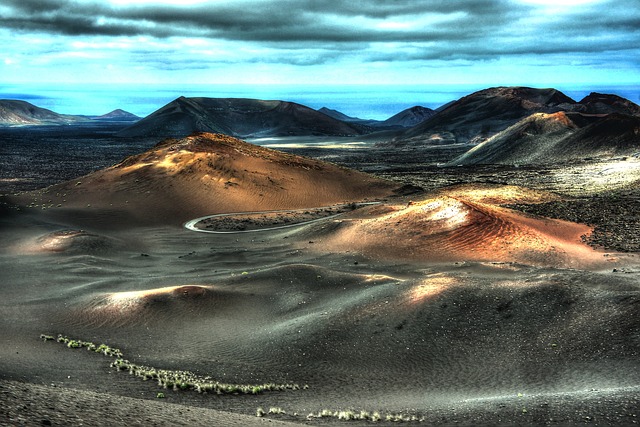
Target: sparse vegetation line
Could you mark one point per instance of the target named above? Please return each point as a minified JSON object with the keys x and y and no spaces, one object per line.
{"x":191,"y":225}
{"x":176,"y":380}
{"x":347,"y":415}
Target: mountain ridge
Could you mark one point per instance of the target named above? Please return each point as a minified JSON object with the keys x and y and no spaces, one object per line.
{"x":239,"y":117}
{"x":477,"y":116}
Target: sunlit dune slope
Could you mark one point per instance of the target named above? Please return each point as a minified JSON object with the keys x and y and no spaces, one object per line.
{"x":497,"y":194}
{"x":258,"y":295}
{"x":459,"y":228}
{"x":172,"y":302}
{"x":69,"y":242}
{"x":204,"y":174}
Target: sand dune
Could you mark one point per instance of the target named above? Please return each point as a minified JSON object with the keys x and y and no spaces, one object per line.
{"x":425,"y":339}
{"x":458,"y":228}
{"x":70,"y":242}
{"x":186,"y":303}
{"x":203,"y":174}
{"x":150,"y":306}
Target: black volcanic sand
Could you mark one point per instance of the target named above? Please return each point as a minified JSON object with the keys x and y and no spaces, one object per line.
{"x":464,"y":343}
{"x":38,"y":156}
{"x":454,"y":342}
{"x":258,"y":221}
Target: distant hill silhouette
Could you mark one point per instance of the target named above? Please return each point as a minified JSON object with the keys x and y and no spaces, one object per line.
{"x":410,"y":117}
{"x":404,"y":119}
{"x":117,"y":116}
{"x":341,"y":116}
{"x":240,"y":117}
{"x":22,"y":113}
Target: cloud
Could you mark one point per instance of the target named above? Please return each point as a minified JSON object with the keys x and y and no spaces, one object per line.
{"x":461,"y":28}
{"x":216,"y":35}
{"x":260,"y":21}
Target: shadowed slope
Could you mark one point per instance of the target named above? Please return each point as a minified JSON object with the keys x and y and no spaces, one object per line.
{"x":614,"y":134}
{"x":204,"y":174}
{"x":553,"y":138}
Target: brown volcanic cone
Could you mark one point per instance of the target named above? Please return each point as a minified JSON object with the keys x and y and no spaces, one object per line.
{"x":482,"y":114}
{"x":555,"y":138}
{"x":205,"y":174}
{"x":526,"y":141}
{"x":462,"y":228}
{"x":600,"y":103}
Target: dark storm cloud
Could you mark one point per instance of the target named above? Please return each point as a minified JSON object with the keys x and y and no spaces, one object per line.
{"x":275,"y":21}
{"x":461,"y":29}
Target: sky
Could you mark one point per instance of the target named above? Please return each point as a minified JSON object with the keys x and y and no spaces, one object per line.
{"x":539,"y":43}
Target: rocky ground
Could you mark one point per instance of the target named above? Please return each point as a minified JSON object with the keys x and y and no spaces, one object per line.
{"x":615,"y":218}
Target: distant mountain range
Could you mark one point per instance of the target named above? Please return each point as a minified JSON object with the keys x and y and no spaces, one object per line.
{"x":240,"y":117}
{"x":404,"y":119}
{"x":117,"y":116}
{"x":410,"y":117}
{"x":481,"y":115}
{"x":475,"y":117}
{"x":505,"y":125}
{"x":22,"y":113}
{"x":254,"y":118}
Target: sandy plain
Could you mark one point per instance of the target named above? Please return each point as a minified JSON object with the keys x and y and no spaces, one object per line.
{"x":448,"y":305}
